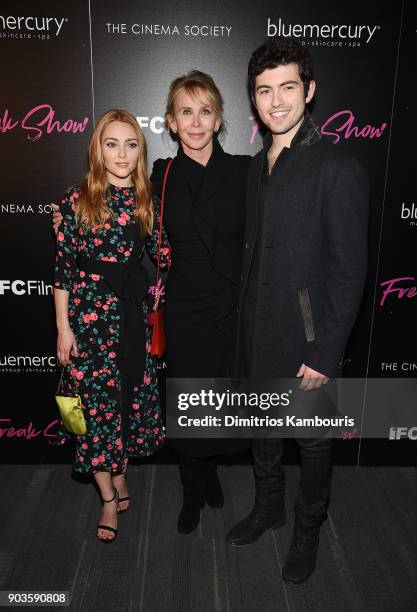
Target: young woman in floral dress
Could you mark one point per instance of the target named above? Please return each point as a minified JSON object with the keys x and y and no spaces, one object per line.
{"x":107,"y":223}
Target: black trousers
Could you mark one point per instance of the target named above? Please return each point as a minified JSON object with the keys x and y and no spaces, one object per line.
{"x":314,"y":491}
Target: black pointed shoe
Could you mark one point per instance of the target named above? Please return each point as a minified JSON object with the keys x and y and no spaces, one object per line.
{"x":253,"y":526}
{"x":301,"y":559}
{"x":213,"y":491}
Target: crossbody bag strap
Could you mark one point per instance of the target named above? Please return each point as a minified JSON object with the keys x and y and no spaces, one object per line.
{"x":60,"y":380}
{"x":162,"y":215}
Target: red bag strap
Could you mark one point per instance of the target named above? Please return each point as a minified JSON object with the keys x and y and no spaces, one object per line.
{"x":162,"y":215}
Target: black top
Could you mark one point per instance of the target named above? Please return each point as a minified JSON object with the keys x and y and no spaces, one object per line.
{"x":204,"y":216}
{"x":208,"y":202}
{"x":178,"y":215}
{"x":191,"y":272}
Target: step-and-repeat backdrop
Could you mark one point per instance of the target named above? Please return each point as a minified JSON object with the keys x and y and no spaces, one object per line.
{"x":63,"y":64}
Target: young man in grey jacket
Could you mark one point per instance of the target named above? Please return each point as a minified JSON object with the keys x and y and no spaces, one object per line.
{"x":304,"y":268}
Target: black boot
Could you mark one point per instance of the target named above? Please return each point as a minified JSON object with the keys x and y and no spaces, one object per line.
{"x":310,"y":508}
{"x":252,"y":527}
{"x":301,"y":559}
{"x":193,"y":500}
{"x":213,"y":491}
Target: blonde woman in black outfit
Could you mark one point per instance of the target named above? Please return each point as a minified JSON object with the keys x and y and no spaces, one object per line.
{"x":204,"y":217}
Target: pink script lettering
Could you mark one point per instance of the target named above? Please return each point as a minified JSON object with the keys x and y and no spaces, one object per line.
{"x":255,"y":129}
{"x":347,"y":128}
{"x":408,"y":292}
{"x":40,"y":120}
{"x":348,"y":435}
{"x":29,"y":432}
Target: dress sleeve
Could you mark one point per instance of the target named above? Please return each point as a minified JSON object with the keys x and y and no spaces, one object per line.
{"x":153,"y":240}
{"x":66,"y":251}
{"x":157,"y":175}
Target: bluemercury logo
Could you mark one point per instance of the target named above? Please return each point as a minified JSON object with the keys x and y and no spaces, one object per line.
{"x":25,"y":287}
{"x":16,"y":27}
{"x":41,"y":119}
{"x":409,"y":213}
{"x":338,"y":35}
{"x":17,"y":364}
{"x":13,"y":208}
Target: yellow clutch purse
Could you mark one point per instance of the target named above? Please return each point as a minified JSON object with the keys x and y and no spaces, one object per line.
{"x":71,"y":411}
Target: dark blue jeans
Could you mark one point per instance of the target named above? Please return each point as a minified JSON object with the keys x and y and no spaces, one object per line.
{"x":314,"y":491}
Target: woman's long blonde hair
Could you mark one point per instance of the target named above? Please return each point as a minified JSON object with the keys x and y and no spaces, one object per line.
{"x":92,"y":206}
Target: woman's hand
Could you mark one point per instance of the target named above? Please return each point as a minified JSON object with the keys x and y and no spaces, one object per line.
{"x":66,"y":346}
{"x":56,"y":217}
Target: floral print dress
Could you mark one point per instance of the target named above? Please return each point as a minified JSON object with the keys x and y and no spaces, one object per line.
{"x":94,"y":316}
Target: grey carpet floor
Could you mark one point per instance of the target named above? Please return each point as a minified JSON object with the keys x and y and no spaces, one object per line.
{"x":367,"y":557}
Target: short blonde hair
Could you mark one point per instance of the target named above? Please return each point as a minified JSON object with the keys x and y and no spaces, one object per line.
{"x":193,"y":83}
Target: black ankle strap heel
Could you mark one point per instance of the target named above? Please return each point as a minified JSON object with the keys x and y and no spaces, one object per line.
{"x":107,"y":527}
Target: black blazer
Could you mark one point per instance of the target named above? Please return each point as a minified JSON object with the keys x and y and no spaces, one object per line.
{"x":313,"y":260}
{"x":218,"y":214}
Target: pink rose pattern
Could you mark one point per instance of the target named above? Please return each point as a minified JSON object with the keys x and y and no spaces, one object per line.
{"x":94,"y":314}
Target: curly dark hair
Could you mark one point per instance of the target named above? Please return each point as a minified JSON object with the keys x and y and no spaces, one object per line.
{"x":277,"y":52}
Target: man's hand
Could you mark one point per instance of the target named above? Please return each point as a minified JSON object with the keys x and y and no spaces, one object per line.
{"x":311,"y":378}
{"x":56,"y":217}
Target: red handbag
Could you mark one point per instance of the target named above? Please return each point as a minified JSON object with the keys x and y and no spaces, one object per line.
{"x":156,"y":321}
{"x":156,"y":317}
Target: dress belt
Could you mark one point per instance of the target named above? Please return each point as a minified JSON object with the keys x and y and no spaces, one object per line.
{"x":97,"y":266}
{"x":129,"y":281}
